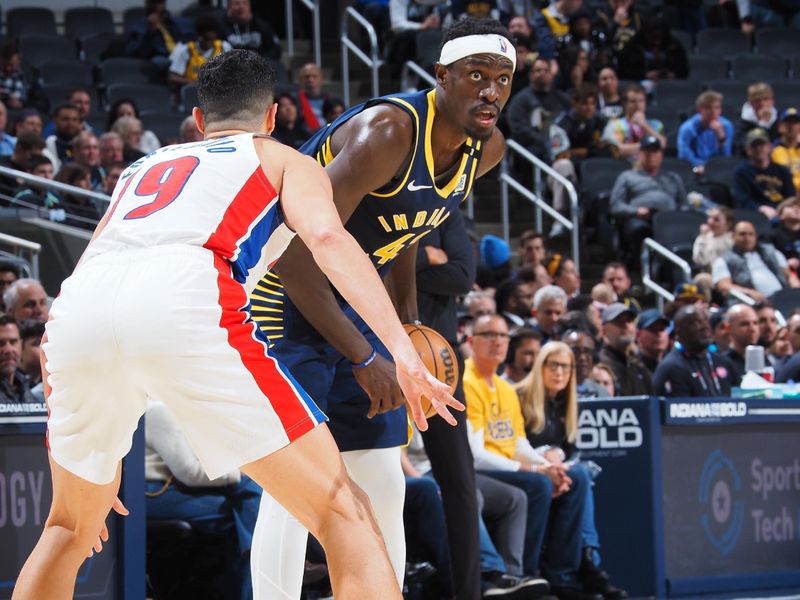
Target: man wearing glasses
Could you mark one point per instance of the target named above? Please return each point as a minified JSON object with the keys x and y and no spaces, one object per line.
{"x":501,"y":450}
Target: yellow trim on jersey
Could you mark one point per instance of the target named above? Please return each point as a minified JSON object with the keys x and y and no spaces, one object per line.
{"x":471,"y":178}
{"x":265,"y":309}
{"x":447,"y":190}
{"x":402,"y":184}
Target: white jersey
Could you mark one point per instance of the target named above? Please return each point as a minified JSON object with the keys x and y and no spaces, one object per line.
{"x":212,"y":194}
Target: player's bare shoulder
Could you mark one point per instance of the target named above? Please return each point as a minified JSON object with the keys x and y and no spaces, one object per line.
{"x":378,"y":134}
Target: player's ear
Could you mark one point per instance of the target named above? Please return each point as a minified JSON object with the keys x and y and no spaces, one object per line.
{"x":198,"y":119}
{"x":269,"y":117}
{"x":441,"y":74}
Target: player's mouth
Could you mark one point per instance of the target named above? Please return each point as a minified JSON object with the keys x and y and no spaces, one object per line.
{"x":486,"y":116}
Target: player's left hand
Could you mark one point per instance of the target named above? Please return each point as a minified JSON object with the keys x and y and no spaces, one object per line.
{"x":119,"y":508}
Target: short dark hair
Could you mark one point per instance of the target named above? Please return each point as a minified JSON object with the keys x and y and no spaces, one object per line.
{"x":30,"y":328}
{"x":504,"y":292}
{"x":8,"y":320}
{"x":472,"y":26}
{"x":578,"y":321}
{"x":530,"y":234}
{"x":36,"y":161}
{"x":80,"y":88}
{"x":235,"y":85}
{"x":632,"y":87}
{"x":519,"y":335}
{"x":28,"y":140}
{"x":763,"y":304}
{"x":6,"y":266}
{"x":583,"y":92}
{"x":64,"y":106}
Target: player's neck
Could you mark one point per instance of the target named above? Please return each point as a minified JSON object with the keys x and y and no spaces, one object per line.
{"x":209,"y":135}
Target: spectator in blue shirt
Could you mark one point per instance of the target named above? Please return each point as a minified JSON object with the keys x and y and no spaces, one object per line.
{"x":707,"y":133}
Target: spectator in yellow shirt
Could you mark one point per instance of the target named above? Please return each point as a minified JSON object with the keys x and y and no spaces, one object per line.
{"x":787,"y":151}
{"x":501,"y":450}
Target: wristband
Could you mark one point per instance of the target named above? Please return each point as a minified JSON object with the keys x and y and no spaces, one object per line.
{"x":365,"y":363}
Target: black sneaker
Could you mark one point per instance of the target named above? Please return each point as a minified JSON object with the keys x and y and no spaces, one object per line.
{"x":595,"y":579}
{"x":515,"y":588}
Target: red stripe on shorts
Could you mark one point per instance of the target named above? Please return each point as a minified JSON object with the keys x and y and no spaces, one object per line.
{"x":256,"y":194}
{"x":284,"y":400}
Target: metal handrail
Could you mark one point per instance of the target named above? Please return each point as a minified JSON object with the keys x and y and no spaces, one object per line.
{"x":663,"y":294}
{"x":419,"y":71}
{"x":741,"y":297}
{"x":373,"y":61}
{"x":313,"y":6}
{"x":55,"y":185}
{"x":540,"y":166}
{"x":21,"y":244}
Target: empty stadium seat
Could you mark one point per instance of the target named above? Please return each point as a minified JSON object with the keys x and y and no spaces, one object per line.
{"x":677,"y":94}
{"x":757,"y":67}
{"x":66,"y":71}
{"x":684,"y":38}
{"x":759,"y":221}
{"x":164,"y":123}
{"x":734,"y":93}
{"x":677,"y":229}
{"x":682,"y":168}
{"x":89,"y":20}
{"x":39,"y":49}
{"x":427,"y":44}
{"x":722,"y":42}
{"x":721,"y":168}
{"x":58,"y":93}
{"x":786,"y":301}
{"x":123,"y":70}
{"x":703,"y":67}
{"x":787,"y":91}
{"x":146,"y":95}
{"x":777,"y":41}
{"x":30,"y":20}
{"x":599,"y":174}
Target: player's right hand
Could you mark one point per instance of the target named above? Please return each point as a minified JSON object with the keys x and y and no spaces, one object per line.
{"x":379,"y":381}
{"x":416,"y":381}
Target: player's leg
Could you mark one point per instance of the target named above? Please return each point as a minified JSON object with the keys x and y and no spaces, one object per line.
{"x":379,"y":474}
{"x":77,"y":515}
{"x":309,"y":478}
{"x":278,"y":553}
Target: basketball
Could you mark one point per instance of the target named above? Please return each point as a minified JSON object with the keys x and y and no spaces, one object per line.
{"x":438,"y":357}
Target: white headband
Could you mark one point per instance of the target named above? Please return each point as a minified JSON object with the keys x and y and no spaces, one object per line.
{"x":478,"y":44}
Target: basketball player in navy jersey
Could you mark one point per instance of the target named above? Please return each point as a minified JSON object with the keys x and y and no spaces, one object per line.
{"x":399,"y":166}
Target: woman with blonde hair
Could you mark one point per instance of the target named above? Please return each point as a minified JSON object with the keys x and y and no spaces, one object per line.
{"x":549,"y":402}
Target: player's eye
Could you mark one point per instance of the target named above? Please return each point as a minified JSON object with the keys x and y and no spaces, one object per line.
{"x":475,"y":75}
{"x":504,"y":79}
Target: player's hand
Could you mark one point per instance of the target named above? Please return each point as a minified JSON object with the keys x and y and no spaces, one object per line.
{"x":379,"y":381}
{"x":416,"y":381}
{"x":119,"y":508}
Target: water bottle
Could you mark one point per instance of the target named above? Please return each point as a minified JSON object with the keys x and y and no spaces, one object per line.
{"x":755,"y":361}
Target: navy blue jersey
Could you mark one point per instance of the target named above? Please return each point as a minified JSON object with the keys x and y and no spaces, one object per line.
{"x":386,"y":222}
{"x":392,"y":218}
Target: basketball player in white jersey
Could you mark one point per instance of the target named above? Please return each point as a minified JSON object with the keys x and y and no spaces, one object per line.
{"x":158,"y":306}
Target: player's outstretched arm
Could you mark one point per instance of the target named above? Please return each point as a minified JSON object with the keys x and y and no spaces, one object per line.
{"x":307,"y":204}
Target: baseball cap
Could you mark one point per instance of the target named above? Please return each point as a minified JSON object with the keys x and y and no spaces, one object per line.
{"x":649,"y":317}
{"x":688,"y":291}
{"x":650,"y":142}
{"x":790,"y":113}
{"x":615,"y":310}
{"x":755,"y":136}
{"x":494,"y":251}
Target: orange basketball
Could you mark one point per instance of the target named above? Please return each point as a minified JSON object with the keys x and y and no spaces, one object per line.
{"x":438,"y":357}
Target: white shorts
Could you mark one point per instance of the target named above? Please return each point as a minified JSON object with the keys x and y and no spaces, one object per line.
{"x":170,"y":323}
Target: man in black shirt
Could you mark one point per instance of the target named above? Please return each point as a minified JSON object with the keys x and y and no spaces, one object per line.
{"x":743,"y":324}
{"x":245,"y":30}
{"x":786,"y":235}
{"x":760,"y":184}
{"x":690,"y":370}
{"x":619,"y":332}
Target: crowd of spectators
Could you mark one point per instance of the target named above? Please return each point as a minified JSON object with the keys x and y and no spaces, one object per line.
{"x":537,"y":336}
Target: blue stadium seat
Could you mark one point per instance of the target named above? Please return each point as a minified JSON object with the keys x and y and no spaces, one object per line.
{"x":722,"y":42}
{"x":66,"y":71}
{"x":146,"y":95}
{"x":123,"y":70}
{"x":786,"y":301}
{"x":787,"y":91}
{"x":30,"y":20}
{"x":677,"y":94}
{"x":88,"y":20}
{"x":777,"y":41}
{"x":758,"y":67}
{"x":164,"y":123}
{"x":39,"y":49}
{"x":703,"y":67}
{"x":733,"y":93}
{"x":721,"y":168}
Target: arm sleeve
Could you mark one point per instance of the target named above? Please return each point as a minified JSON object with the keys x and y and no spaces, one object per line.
{"x":719,"y":270}
{"x":398,"y":13}
{"x":676,"y":379}
{"x":701,"y":250}
{"x":685,"y":149}
{"x":610,"y":134}
{"x":171,"y":444}
{"x":619,"y":198}
{"x":742,"y":191}
{"x":455,"y":277}
{"x":485,"y":460}
{"x":727,"y":147}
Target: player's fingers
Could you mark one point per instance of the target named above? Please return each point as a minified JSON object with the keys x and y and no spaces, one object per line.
{"x":119,"y":507}
{"x":104,"y":534}
{"x":417,"y":414}
{"x":441,"y":391}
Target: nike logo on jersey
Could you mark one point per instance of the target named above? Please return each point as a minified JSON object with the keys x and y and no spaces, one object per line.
{"x":414,"y":188}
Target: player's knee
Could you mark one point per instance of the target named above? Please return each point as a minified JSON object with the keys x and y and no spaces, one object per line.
{"x":70,"y":539}
{"x":347,"y":506}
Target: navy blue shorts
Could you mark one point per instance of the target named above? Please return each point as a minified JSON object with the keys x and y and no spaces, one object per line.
{"x":328,"y":378}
